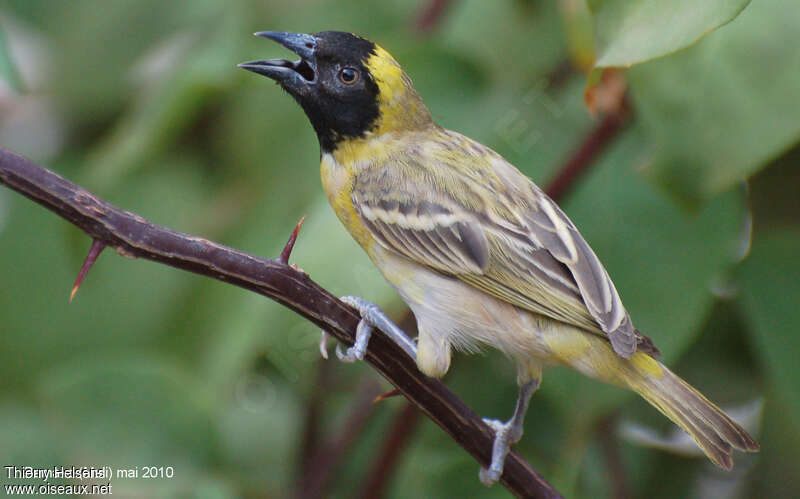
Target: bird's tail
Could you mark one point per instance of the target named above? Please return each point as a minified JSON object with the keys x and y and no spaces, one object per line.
{"x":712,"y":429}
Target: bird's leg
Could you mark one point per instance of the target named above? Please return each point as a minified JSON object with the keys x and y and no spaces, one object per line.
{"x":508,"y":433}
{"x":371,"y":317}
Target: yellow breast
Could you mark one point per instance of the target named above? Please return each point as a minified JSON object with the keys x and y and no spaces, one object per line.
{"x":337,"y":181}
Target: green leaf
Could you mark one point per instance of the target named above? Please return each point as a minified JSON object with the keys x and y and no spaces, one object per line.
{"x":720,"y":111}
{"x":629,"y":32}
{"x":577,"y":20}
{"x":769,"y":287}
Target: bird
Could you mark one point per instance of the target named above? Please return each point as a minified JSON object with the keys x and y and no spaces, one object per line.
{"x":479,"y":253}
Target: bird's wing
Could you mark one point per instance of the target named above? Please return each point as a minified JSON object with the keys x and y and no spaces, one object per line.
{"x":490,"y":226}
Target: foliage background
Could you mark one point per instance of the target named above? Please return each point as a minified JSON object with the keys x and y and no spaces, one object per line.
{"x":141,"y":102}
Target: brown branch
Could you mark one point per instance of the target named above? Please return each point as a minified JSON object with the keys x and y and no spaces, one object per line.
{"x":132,"y":235}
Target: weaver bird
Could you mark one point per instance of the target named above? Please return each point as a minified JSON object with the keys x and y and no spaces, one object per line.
{"x":478,"y":252}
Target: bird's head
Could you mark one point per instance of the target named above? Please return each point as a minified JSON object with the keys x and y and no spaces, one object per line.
{"x":349,"y":87}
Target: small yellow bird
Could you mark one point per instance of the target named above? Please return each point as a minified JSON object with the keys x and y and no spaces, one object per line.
{"x":478,"y":252}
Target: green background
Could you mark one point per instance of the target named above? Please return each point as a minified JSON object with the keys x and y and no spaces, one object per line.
{"x":142,"y":103}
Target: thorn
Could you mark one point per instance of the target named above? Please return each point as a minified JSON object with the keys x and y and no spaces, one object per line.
{"x":94,"y":252}
{"x":287,"y":250}
{"x":382,"y":396}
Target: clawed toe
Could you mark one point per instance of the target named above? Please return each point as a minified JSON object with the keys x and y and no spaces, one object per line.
{"x":500,"y":449}
{"x":323,"y":344}
{"x":352,"y":354}
{"x":489,"y":476}
{"x":371,"y":317}
{"x":495,"y":424}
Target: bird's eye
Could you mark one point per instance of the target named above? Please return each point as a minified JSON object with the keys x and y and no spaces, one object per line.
{"x":348,"y":76}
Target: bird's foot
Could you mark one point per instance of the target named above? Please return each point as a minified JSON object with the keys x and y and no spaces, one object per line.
{"x":505,"y":435}
{"x":371,"y":317}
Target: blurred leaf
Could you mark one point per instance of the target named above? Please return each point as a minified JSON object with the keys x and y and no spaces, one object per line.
{"x":578,"y":30}
{"x":464,"y":80}
{"x":510,"y":43}
{"x":780,"y":448}
{"x":194,"y":68}
{"x":719,"y":111}
{"x":96,"y":48}
{"x":132,"y":410}
{"x":773,"y":193}
{"x":629,"y":32}
{"x":107,"y":312}
{"x":137,"y":408}
{"x":25,"y":436}
{"x":267,"y":142}
{"x":771,"y":299}
{"x":534,"y":127}
{"x":8,"y":70}
{"x":260,"y":427}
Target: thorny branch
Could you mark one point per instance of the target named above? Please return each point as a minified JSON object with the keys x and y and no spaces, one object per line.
{"x":132,"y":235}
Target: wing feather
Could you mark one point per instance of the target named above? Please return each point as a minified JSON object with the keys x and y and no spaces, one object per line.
{"x":427,"y":233}
{"x":498,"y":232}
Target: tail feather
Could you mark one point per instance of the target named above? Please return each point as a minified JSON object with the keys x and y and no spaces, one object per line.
{"x":712,"y":429}
{"x":702,"y":429}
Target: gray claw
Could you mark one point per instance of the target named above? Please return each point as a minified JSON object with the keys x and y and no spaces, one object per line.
{"x":500,"y":448}
{"x":371,"y":316}
{"x":351,"y":355}
{"x":489,"y":477}
{"x":508,"y":433}
{"x":323,"y":344}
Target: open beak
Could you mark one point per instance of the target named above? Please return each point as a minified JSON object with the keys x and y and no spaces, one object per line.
{"x":292,"y":75}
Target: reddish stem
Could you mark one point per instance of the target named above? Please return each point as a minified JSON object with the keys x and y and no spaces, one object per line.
{"x":323,"y":465}
{"x":399,"y":436}
{"x":389,"y":394}
{"x":432,"y":15}
{"x":588,"y":152}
